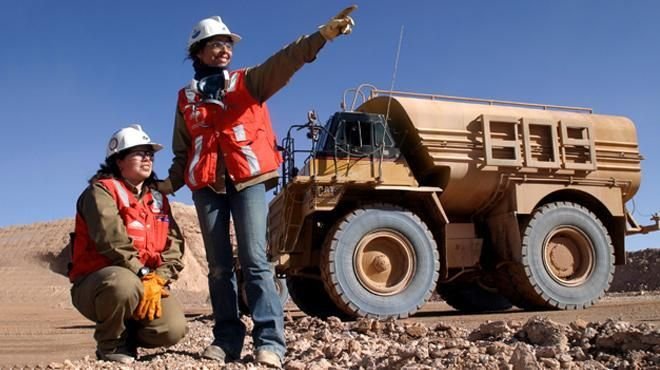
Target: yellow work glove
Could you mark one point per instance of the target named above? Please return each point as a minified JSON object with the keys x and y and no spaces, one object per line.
{"x":340,"y":24}
{"x":150,"y":306}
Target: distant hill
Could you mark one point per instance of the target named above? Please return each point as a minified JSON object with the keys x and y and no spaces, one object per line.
{"x":640,"y":273}
{"x":35,"y":257}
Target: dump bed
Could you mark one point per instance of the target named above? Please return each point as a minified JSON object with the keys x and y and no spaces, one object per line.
{"x":471,"y":149}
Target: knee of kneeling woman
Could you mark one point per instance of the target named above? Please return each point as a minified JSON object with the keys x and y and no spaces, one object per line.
{"x":176,"y":330}
{"x":124,"y":286}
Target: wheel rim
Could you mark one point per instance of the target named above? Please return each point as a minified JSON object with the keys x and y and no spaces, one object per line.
{"x":384,"y":262}
{"x":568,"y":256}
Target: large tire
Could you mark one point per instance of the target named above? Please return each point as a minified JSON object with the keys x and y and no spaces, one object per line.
{"x":472,"y":296}
{"x":311,"y":298}
{"x":567,"y":260}
{"x":380,"y":261}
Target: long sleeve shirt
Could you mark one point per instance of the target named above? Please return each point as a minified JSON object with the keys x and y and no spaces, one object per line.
{"x":262,"y":81}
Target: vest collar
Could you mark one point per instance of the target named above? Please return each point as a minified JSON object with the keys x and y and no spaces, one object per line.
{"x":133,"y":189}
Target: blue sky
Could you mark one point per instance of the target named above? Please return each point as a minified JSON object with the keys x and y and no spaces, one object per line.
{"x":72,"y":72}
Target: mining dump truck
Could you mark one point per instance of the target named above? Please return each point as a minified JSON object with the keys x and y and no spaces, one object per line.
{"x":488,"y":203}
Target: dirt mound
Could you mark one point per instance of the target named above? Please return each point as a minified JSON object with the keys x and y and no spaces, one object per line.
{"x":32,"y":265}
{"x":192,"y":286}
{"x":41,"y":251}
{"x":640,"y":273}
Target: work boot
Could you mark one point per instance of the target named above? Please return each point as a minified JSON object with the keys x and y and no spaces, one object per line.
{"x":120,"y":354}
{"x":213,"y":352}
{"x":268,"y":358}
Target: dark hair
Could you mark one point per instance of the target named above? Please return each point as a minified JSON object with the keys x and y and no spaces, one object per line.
{"x":110,"y":170}
{"x":196,"y":48}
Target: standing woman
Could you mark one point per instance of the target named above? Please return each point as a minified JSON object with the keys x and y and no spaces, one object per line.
{"x":127,"y":249}
{"x":225,"y":151}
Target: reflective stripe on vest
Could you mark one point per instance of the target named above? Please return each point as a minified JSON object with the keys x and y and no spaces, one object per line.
{"x":239,"y":133}
{"x":201,"y":164}
{"x":252,"y":160}
{"x":121,"y":192}
{"x":158,"y":201}
{"x":197,"y":151}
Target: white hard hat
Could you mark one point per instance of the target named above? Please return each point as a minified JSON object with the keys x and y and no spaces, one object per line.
{"x":209,"y":27}
{"x":129,"y":137}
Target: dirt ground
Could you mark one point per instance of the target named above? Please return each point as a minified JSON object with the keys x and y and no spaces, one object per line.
{"x":34,"y":335}
{"x":38,"y":325}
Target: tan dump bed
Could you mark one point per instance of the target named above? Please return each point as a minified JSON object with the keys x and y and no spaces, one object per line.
{"x":472,"y":149}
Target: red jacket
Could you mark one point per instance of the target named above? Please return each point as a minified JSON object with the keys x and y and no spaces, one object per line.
{"x":242,"y":130}
{"x":147,"y":224}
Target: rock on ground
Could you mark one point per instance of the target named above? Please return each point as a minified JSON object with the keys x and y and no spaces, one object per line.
{"x":316,"y":344}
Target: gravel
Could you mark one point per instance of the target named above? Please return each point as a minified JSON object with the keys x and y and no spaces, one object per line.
{"x":316,"y":344}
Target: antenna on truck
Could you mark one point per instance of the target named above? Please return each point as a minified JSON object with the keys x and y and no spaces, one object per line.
{"x":389,"y":101}
{"x":396,"y":67}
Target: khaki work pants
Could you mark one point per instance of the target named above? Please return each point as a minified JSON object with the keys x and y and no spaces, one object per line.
{"x":109,"y":296}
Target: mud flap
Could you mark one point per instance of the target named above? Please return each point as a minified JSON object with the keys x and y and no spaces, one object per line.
{"x":505,"y":236}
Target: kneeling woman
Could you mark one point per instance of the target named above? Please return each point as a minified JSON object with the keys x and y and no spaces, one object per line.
{"x":127,"y":249}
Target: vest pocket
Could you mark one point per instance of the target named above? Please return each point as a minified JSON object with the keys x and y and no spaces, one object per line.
{"x":202,"y":161}
{"x":161,"y":230}
{"x":248,"y":151}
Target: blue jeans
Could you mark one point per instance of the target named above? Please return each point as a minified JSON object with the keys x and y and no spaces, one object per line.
{"x":249,"y":210}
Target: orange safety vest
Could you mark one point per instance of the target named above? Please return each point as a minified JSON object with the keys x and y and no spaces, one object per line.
{"x":147,"y":224}
{"x":242,"y":130}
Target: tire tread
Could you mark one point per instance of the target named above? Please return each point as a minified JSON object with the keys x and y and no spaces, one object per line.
{"x":517,"y":280}
{"x":328,"y":258}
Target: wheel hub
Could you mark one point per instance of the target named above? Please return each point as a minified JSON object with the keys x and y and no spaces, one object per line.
{"x":381,"y":264}
{"x":568,"y":256}
{"x":384,"y":262}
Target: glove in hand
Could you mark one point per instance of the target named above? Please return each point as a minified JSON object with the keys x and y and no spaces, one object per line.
{"x":340,"y":24}
{"x":150,"y":306}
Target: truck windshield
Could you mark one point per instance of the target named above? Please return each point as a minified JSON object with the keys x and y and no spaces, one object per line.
{"x":355,"y":134}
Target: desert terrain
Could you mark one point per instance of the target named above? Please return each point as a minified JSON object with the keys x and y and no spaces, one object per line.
{"x":39,"y":328}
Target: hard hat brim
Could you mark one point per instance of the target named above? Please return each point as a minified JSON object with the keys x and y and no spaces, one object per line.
{"x":154,"y":146}
{"x":235,"y":37}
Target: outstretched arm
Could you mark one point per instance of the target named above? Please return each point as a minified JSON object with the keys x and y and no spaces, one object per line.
{"x":264,"y":80}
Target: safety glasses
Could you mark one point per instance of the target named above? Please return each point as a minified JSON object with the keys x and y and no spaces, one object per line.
{"x":219,"y":44}
{"x":143,"y":154}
